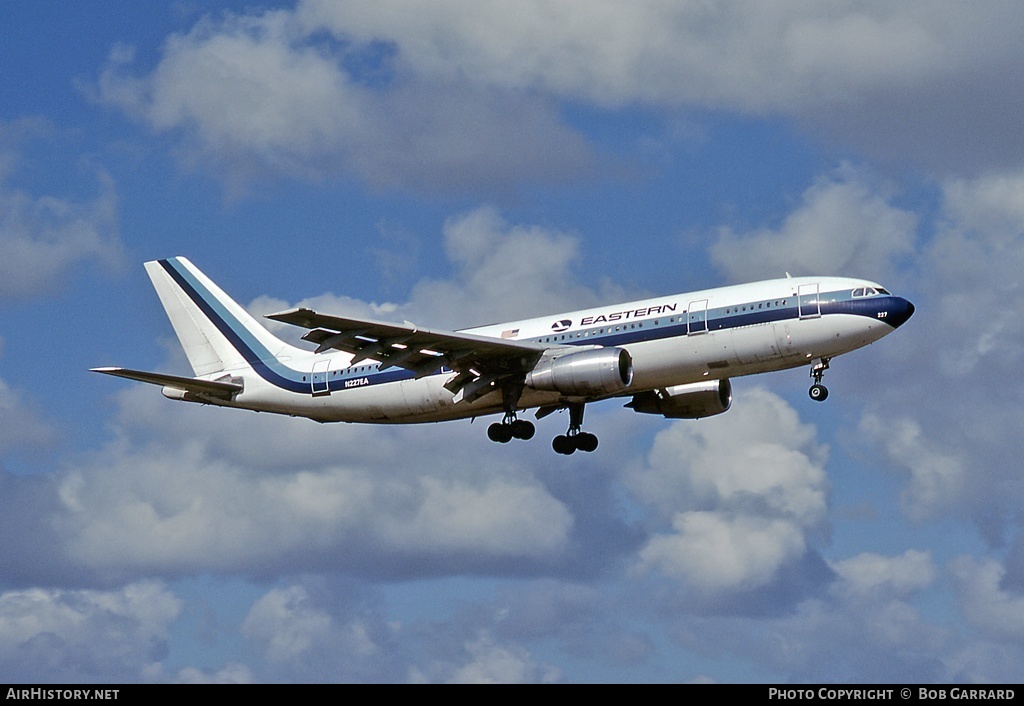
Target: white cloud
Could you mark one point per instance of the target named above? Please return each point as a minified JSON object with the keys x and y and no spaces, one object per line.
{"x":997,"y":612}
{"x":714,"y":552}
{"x":778,"y":470}
{"x":231,"y":673}
{"x":20,"y":425}
{"x":938,"y":479}
{"x":234,"y":491}
{"x":738,"y":511}
{"x":460,"y":95}
{"x":64,"y":635}
{"x":263,"y":95}
{"x":993,"y":662}
{"x":907,"y":78}
{"x":41,"y":238}
{"x":842,"y":227}
{"x":973,"y":265}
{"x":899,"y":576}
{"x":942,"y":404}
{"x":242,"y":88}
{"x":491,"y":663}
{"x":284,"y":621}
{"x":749,"y":56}
{"x":310,"y":632}
{"x":504,"y":272}
{"x":864,"y":624}
{"x":842,"y":640}
{"x":992,"y":204}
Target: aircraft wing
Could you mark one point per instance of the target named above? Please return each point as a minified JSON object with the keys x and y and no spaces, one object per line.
{"x":480,"y":361}
{"x":208,"y":388}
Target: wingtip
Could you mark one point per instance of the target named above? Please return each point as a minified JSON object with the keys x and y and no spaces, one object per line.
{"x":289,"y":313}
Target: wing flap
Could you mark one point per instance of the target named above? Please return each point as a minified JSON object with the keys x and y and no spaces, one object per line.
{"x":420,"y":350}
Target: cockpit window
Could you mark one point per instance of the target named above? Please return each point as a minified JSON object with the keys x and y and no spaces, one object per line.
{"x":868,"y":292}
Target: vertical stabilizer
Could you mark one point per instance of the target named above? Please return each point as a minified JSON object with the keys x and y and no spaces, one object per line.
{"x":216,"y":333}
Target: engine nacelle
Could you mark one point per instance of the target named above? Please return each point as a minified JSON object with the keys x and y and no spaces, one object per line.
{"x":592,"y":373}
{"x":692,"y":401}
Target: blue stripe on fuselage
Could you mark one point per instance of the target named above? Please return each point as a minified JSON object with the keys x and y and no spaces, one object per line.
{"x":254,"y":352}
{"x":267,"y":366}
{"x":263,"y":362}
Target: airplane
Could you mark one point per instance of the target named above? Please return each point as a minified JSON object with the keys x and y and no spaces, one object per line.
{"x":672,"y":356}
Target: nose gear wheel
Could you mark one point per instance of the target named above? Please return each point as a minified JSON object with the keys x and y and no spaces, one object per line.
{"x":818,"y":392}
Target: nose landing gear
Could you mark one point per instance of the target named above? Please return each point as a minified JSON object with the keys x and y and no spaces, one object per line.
{"x":818,"y":392}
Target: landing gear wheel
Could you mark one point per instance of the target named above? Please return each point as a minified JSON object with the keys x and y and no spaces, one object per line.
{"x":510,"y":427}
{"x":575,"y":439}
{"x":501,"y":433}
{"x":522,"y":429}
{"x":819,"y":392}
{"x":586,"y":442}
{"x":563,"y":444}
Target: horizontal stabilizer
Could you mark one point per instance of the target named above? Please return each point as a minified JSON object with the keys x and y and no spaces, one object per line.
{"x":208,"y":388}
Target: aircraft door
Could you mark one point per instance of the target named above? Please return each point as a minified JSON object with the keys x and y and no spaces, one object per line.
{"x":697,"y":317}
{"x":807,"y":301}
{"x":318,"y":378}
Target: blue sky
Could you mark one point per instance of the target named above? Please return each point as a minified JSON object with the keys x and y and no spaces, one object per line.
{"x":454,"y":164}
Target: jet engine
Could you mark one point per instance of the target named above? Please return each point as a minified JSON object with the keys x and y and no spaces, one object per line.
{"x":591,"y":373}
{"x":692,"y":401}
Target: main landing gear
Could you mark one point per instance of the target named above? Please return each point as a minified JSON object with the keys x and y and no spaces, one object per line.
{"x":818,"y":392}
{"x":510,"y":428}
{"x":574,"y":439}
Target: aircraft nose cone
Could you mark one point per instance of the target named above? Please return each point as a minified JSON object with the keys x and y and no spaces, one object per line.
{"x":899,"y":312}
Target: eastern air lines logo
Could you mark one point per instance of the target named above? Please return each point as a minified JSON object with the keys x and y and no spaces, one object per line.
{"x":562,"y":325}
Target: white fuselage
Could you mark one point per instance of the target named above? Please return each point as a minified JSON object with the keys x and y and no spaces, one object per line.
{"x":685,"y":338}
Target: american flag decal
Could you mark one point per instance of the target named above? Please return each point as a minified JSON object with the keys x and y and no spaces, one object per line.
{"x":511,"y":333}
